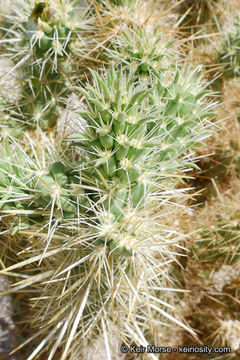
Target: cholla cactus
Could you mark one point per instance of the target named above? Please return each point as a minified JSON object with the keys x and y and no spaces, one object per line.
{"x":115,"y":17}
{"x":230,"y":57}
{"x":91,"y":213}
{"x":135,"y":147}
{"x":46,"y":34}
{"x":142,"y":52}
{"x":137,"y":138}
{"x":41,"y":183}
{"x":221,"y":239}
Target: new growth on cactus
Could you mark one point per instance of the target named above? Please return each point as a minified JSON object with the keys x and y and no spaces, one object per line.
{"x":141,"y":51}
{"x":138,"y":138}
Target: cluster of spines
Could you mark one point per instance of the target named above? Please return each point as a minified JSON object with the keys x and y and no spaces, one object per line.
{"x":137,"y":137}
{"x":141,"y":51}
{"x":46,"y":38}
{"x":39,"y":184}
{"x":230,"y":56}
